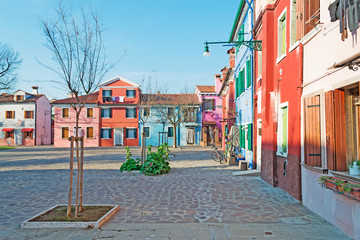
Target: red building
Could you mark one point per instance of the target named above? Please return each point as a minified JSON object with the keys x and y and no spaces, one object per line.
{"x":227,"y":93}
{"x":278,"y":95}
{"x":118,"y":101}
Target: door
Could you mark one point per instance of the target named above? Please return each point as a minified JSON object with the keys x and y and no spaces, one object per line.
{"x":18,"y":137}
{"x":258,"y":145}
{"x":190,"y":135}
{"x":118,"y":136}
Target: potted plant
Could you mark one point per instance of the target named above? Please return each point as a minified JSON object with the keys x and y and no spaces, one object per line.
{"x":352,"y":189}
{"x":327,"y":182}
{"x":354,"y":168}
{"x":339,"y":185}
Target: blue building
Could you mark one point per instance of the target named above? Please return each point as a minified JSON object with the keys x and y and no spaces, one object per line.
{"x":242,"y":31}
{"x":158,"y":112}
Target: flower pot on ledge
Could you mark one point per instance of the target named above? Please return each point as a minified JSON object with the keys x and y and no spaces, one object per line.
{"x":354,"y":169}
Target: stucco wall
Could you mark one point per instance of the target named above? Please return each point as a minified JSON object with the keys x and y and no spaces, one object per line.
{"x":43,"y":121}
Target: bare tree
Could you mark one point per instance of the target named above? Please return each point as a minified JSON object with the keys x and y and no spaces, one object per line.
{"x":77,"y":49}
{"x":175,"y":109}
{"x":9,"y":62}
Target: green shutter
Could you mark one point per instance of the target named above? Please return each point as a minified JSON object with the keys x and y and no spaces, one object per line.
{"x":249,"y":137}
{"x":248,"y":73}
{"x":242,"y":84}
{"x":285,"y":119}
{"x":237,"y":86}
{"x":242,"y":137}
{"x":241,"y":36}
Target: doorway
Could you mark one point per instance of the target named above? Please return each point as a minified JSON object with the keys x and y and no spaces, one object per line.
{"x":258,"y":144}
{"x":118,"y":136}
{"x":190,"y":136}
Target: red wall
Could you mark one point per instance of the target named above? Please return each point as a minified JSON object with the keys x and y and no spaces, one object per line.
{"x":118,"y":119}
{"x":283,"y":79}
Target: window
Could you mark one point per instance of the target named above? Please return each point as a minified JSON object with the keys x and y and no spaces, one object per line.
{"x":240,"y":38}
{"x":131,"y":133}
{"x":29,"y":114}
{"x":259,"y":101}
{"x":312,"y":131}
{"x":107,"y":93}
{"x":209,"y":104}
{"x":147,"y":131}
{"x":10,"y":114}
{"x":19,"y":97}
{"x":28,"y":134}
{"x":293,"y":18}
{"x":130,"y":112}
{"x":170,"y":132}
{"x":282,"y":133}
{"x":259,"y":65}
{"x":240,"y":83}
{"x":130,"y":93}
{"x":89,"y":132}
{"x":311,"y":15}
{"x":146,"y":112}
{"x":170,"y":111}
{"x":190,"y":114}
{"x":105,"y":133}
{"x":248,"y":73}
{"x":64,"y":132}
{"x":90,"y":112}
{"x":9,"y":134}
{"x":106,"y":113}
{"x":282,"y":35}
{"x":65,"y":112}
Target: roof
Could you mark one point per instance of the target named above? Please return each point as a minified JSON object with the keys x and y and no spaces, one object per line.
{"x":225,"y":83}
{"x":91,"y":98}
{"x":237,"y":18}
{"x":206,"y":89}
{"x":117,"y":78}
{"x":169,"y":99}
{"x":9,"y":98}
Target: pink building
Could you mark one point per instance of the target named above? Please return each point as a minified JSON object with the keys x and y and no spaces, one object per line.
{"x":65,"y":121}
{"x":211,"y":113}
{"x":25,"y":118}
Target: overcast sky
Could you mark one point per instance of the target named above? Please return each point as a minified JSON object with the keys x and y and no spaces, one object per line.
{"x":164,"y":39}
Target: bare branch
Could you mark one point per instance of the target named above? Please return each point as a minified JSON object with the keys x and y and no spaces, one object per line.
{"x":9,"y":62}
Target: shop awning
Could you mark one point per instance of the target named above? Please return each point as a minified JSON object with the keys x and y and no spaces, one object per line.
{"x":209,"y":123}
{"x":7,"y":129}
{"x":27,"y":129}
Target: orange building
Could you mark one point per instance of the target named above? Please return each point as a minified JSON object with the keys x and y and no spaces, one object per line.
{"x":118,"y":102}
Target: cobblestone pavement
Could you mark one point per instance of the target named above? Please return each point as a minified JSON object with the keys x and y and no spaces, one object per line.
{"x":199,"y":199}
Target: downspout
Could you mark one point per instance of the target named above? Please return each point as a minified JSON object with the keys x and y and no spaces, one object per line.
{"x":301,"y":79}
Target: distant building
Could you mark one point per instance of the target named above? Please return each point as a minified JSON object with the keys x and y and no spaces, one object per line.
{"x":25,"y":118}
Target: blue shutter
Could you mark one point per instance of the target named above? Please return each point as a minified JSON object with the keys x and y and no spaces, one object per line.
{"x":101,"y":133}
{"x":102,"y":113}
{"x":110,"y":112}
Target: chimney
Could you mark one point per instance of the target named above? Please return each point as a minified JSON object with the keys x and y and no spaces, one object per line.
{"x":35,"y":90}
{"x":224,"y":72}
{"x":70,"y":95}
{"x":231,"y":53}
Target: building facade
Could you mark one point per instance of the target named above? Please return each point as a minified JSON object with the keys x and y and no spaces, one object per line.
{"x":25,"y":119}
{"x":157,"y":125}
{"x":330,"y":114}
{"x":65,"y":120}
{"x":243,"y":71}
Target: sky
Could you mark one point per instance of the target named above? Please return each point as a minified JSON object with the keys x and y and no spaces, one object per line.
{"x":163,"y":39}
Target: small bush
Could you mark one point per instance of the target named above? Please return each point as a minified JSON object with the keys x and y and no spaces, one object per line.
{"x":157,"y":162}
{"x":130,"y":164}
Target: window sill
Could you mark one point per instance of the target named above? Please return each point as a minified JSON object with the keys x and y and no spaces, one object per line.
{"x":294,"y":46}
{"x":346,"y":176}
{"x":279,"y":154}
{"x":315,"y":169}
{"x":259,"y":78}
{"x":105,"y":138}
{"x":279,"y":59}
{"x":130,"y":138}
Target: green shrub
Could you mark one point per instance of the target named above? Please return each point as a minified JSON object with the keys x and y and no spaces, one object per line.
{"x":157,"y":162}
{"x":130,"y":164}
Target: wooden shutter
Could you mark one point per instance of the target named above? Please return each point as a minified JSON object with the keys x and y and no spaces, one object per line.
{"x":213,"y":104}
{"x":335,"y":130}
{"x":312,"y":131}
{"x":249,"y":137}
{"x":248,"y":73}
{"x":299,"y":19}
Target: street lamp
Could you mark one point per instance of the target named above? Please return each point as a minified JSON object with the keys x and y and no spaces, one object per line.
{"x":255,"y":45}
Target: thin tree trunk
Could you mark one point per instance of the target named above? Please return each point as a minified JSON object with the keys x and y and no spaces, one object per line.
{"x":71,"y":175}
{"x":175,"y":137}
{"x":78,"y":165}
{"x":81,"y":173}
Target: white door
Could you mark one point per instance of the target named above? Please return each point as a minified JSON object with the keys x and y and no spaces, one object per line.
{"x":258,"y":144}
{"x":118,"y":136}
{"x":18,"y":137}
{"x":190,"y":135}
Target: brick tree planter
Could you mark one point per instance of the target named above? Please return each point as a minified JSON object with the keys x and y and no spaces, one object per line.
{"x":30,"y":223}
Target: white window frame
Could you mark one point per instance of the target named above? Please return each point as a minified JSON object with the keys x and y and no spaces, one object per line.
{"x":259,"y":66}
{"x":149,"y":131}
{"x":62,"y":131}
{"x":168,"y":131}
{"x":106,"y":108}
{"x":86,"y":133}
{"x":130,"y":108}
{"x":129,"y":129}
{"x":296,"y":43}
{"x":259,"y":101}
{"x":87,"y":112}
{"x":149,"y":112}
{"x":105,"y":128}
{"x":62,"y":113}
{"x":283,"y":55}
{"x":280,"y":130}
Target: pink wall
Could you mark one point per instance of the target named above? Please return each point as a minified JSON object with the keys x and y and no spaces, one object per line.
{"x":43,"y":122}
{"x":215,"y":115}
{"x":70,"y":122}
